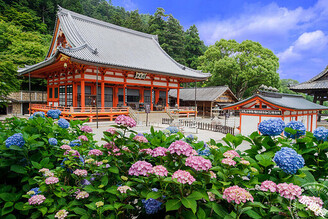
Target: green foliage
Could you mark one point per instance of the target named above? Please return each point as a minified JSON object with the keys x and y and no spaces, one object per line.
{"x":285,"y":84}
{"x":243,"y":66}
{"x":194,"y":47}
{"x":8,"y":81}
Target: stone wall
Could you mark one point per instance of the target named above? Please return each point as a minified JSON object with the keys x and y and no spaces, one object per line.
{"x":36,"y":96}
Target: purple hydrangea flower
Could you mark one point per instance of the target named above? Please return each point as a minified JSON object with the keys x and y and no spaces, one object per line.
{"x":151,"y":206}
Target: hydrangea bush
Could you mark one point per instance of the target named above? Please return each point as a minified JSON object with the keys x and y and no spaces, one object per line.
{"x":56,"y":170}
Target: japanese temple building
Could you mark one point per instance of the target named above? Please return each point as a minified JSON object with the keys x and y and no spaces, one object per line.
{"x":266,"y":105}
{"x":89,"y":57}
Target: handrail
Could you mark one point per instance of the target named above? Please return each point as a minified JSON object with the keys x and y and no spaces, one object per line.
{"x":132,"y":114}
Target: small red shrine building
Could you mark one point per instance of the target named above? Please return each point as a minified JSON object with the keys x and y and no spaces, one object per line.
{"x":129,"y":67}
{"x":266,"y":105}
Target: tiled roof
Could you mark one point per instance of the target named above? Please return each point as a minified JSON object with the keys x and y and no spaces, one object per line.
{"x":290,"y":101}
{"x":203,"y":93}
{"x":315,"y":83}
{"x":99,"y":42}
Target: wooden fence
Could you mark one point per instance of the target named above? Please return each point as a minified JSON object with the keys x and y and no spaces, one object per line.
{"x":202,"y":125}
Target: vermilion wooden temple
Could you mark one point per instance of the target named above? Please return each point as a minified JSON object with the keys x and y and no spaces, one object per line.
{"x":129,"y":67}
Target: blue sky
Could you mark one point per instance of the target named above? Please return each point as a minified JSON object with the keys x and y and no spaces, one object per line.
{"x":295,"y":30}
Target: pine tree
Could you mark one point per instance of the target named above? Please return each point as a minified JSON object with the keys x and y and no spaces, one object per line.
{"x":193,"y":47}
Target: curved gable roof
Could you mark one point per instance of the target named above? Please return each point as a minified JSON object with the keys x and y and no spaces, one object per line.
{"x":95,"y":41}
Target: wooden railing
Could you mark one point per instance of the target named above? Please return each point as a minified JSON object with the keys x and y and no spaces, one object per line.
{"x":202,"y":125}
{"x":83,"y":113}
{"x":182,"y":111}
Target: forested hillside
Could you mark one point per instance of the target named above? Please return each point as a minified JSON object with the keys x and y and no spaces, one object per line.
{"x":26,"y":27}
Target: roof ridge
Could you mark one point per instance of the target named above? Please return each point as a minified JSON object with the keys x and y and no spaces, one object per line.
{"x":104,"y":23}
{"x":206,"y":87}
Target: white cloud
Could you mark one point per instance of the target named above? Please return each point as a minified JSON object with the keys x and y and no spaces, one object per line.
{"x":268,"y":24}
{"x":307,"y":44}
{"x":129,"y":5}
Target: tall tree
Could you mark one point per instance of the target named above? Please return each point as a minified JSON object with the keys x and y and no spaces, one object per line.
{"x":244,"y":67}
{"x":193,"y":47}
{"x":285,"y":84}
{"x":157,"y":24}
{"x":135,"y":22}
{"x":174,"y":40}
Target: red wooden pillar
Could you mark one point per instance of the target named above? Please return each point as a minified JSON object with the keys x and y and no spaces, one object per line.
{"x":124,"y":88}
{"x":142,"y":95}
{"x":151,"y":99}
{"x":115,"y":96}
{"x":74,"y":85}
{"x":156,"y":96}
{"x":102,"y":92}
{"x":178,"y":95}
{"x":82,"y":91}
{"x":48,"y":91}
{"x":167,"y":97}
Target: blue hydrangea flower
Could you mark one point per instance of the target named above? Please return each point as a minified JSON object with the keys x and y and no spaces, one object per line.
{"x":154,"y":189}
{"x":151,"y":206}
{"x":54,"y":113}
{"x":288,"y":160}
{"x":321,"y":133}
{"x":37,"y":114}
{"x":173,"y":129}
{"x":75,"y":143}
{"x":85,"y":182}
{"x":15,"y":139}
{"x":271,"y":127}
{"x":204,"y":152}
{"x":63,"y":123}
{"x":52,"y":141}
{"x":35,"y":191}
{"x":297,"y":126}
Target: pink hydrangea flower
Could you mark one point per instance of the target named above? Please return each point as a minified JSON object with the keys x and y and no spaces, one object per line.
{"x":146,"y":150}
{"x":211,"y":196}
{"x":140,"y":168}
{"x":268,"y":185}
{"x":198,"y":163}
{"x":110,"y":145}
{"x":125,"y":121}
{"x":289,"y":191}
{"x":125,"y":148}
{"x":181,"y":147}
{"x":98,"y":163}
{"x":48,"y":174}
{"x":61,"y":214}
{"x":140,"y":138}
{"x":229,"y":161}
{"x":160,"y":170}
{"x":51,"y":180}
{"x":231,"y":154}
{"x":95,"y":152}
{"x":307,"y":200}
{"x":115,"y":152}
{"x":183,"y":177}
{"x":82,"y":195}
{"x":213,"y":175}
{"x":74,"y":153}
{"x":43,"y":170}
{"x":159,"y":151}
{"x":86,"y":128}
{"x":83,"y":138}
{"x":194,"y":152}
{"x":111,"y":130}
{"x":36,"y":199}
{"x":65,"y":147}
{"x":123,"y":189}
{"x":79,"y":172}
{"x":237,"y":194}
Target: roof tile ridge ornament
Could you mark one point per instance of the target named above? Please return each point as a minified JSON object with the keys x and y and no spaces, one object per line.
{"x":177,"y":63}
{"x":103,"y":23}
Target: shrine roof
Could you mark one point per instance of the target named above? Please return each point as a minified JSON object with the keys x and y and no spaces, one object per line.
{"x":103,"y":44}
{"x":320,"y":81}
{"x":203,"y":93}
{"x":290,"y":101}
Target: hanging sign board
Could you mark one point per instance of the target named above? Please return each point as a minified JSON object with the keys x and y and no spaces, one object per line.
{"x":261,"y":112}
{"x":147,"y":108}
{"x":140,"y":75}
